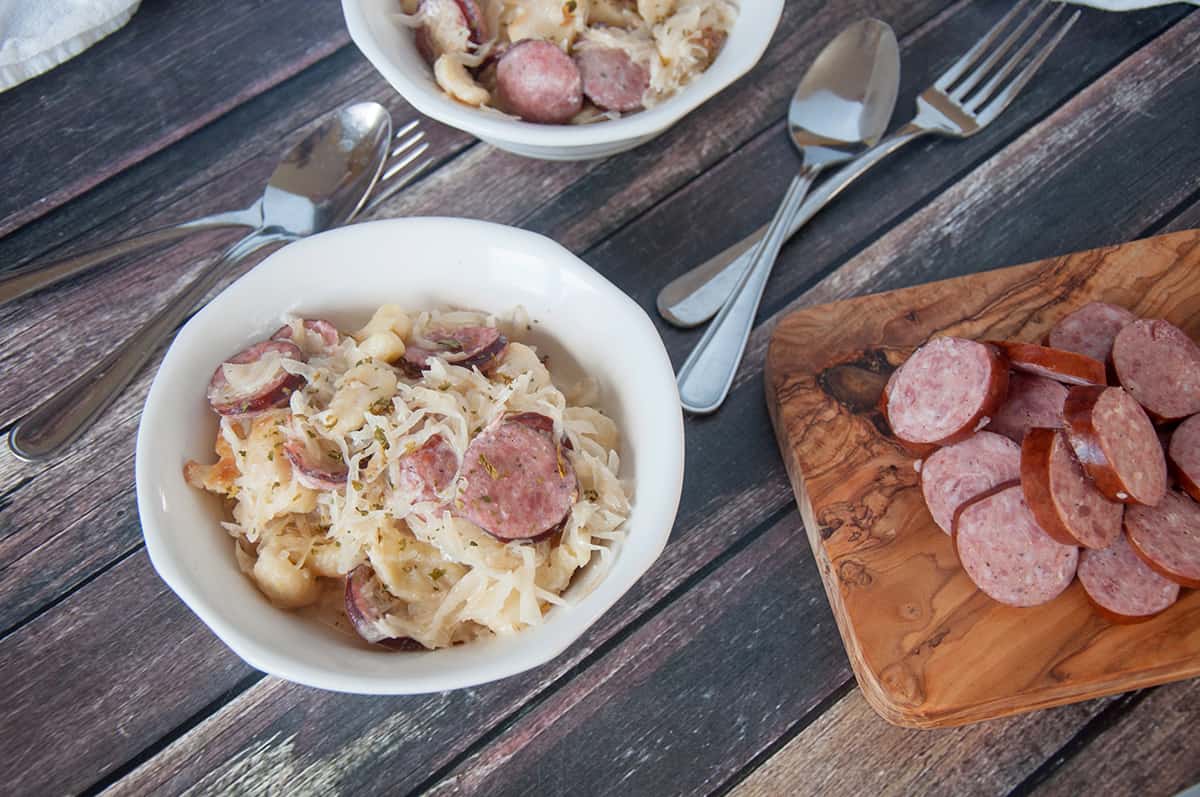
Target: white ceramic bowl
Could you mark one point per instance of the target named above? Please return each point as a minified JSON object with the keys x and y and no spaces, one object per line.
{"x":391,"y":49}
{"x":583,"y":322}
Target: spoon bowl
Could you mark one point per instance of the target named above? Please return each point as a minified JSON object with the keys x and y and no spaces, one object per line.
{"x":320,"y":183}
{"x":839,"y":110}
{"x":846,"y":95}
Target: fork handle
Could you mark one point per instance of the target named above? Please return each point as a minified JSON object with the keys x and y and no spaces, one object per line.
{"x":705,"y":378}
{"x":60,"y":419}
{"x":37,"y":276}
{"x":696,"y":296}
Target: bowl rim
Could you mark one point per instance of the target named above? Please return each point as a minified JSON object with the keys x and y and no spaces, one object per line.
{"x":731,"y":64}
{"x":656,"y":516}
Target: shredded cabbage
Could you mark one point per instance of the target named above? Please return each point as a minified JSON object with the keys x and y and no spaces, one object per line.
{"x":451,"y":581}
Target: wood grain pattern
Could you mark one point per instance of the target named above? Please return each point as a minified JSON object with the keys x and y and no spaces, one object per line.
{"x":1147,"y":751}
{"x":172,"y":69}
{"x":848,"y":751}
{"x":217,"y":728}
{"x":929,"y":649}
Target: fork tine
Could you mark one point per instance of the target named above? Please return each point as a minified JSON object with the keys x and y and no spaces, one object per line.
{"x":959,"y":68}
{"x":386,"y":191}
{"x":395,"y":168}
{"x":406,"y":129}
{"x":1001,"y":101}
{"x":981,"y":96}
{"x":408,"y":143}
{"x":978,"y":73}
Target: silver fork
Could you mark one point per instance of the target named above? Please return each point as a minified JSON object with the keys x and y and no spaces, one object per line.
{"x":409,"y":145}
{"x":396,"y":173}
{"x":960,"y":103}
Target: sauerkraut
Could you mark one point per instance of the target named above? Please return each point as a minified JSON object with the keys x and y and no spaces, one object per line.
{"x":322,"y":484}
{"x":672,"y":41}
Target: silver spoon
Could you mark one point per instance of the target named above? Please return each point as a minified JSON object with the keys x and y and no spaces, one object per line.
{"x":850,"y":88}
{"x":694,"y":297}
{"x":320,"y":183}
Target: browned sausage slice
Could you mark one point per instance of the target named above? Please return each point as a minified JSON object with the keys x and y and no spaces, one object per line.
{"x":611,"y":79}
{"x":1090,"y":330}
{"x":953,"y":475}
{"x":1063,"y":366}
{"x":1033,"y":402}
{"x":316,"y":471}
{"x":447,"y":27}
{"x":539,"y":83}
{"x":947,"y":390}
{"x":1184,"y":454}
{"x":1167,"y":537}
{"x":1115,"y":441}
{"x":1160,"y":365}
{"x":1121,"y":588}
{"x":262,"y":387}
{"x":367,"y":602}
{"x":427,"y":471}
{"x":325,"y":330}
{"x":1006,"y":554}
{"x":519,"y":483}
{"x":1064,"y":501}
{"x":469,"y":347}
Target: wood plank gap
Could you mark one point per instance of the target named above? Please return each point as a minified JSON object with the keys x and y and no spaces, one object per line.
{"x":19,"y":624}
{"x":768,"y":312}
{"x":1110,"y":716}
{"x":829,"y":701}
{"x":160,"y":744}
{"x":1160,"y":224}
{"x":602,"y":650}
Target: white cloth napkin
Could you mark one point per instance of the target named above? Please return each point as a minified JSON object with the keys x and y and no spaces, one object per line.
{"x":36,"y":35}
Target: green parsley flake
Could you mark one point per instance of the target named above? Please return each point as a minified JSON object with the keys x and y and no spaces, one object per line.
{"x":437,"y":573}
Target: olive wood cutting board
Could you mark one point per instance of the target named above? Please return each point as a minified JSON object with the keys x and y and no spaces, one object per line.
{"x":928,"y":648}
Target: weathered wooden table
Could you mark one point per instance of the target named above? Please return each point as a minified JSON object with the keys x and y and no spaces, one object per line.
{"x":722,"y":670}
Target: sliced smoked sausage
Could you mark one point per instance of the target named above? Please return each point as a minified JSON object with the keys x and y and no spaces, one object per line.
{"x":1064,"y":501}
{"x":1160,"y":365}
{"x":1121,"y":587}
{"x":611,"y":79}
{"x":256,"y":380}
{"x":1006,"y":554}
{"x":953,"y":475}
{"x":1090,"y":330}
{"x":1167,"y":537}
{"x":367,"y":604}
{"x":519,"y":484}
{"x":1184,"y":455}
{"x":469,"y":347}
{"x":538,"y":82}
{"x":1115,"y":441}
{"x":316,"y":470}
{"x":1063,"y":366}
{"x":428,"y":470}
{"x":947,"y":390}
{"x":324,"y":330}
{"x":1033,"y":402}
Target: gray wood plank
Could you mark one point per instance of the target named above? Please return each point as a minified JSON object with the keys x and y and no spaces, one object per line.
{"x":1152,"y":749}
{"x":66,"y":720}
{"x":706,"y":490}
{"x":849,"y":750}
{"x":174,"y":68}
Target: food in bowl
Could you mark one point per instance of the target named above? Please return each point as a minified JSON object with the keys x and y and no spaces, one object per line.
{"x":567,"y":61}
{"x":421,"y":481}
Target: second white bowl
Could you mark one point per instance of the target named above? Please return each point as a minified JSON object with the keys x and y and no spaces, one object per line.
{"x":391,"y":49}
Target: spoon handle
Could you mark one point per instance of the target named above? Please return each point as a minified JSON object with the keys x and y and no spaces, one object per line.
{"x":60,"y":419}
{"x":37,"y":276}
{"x":696,"y":296}
{"x":706,"y":376}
